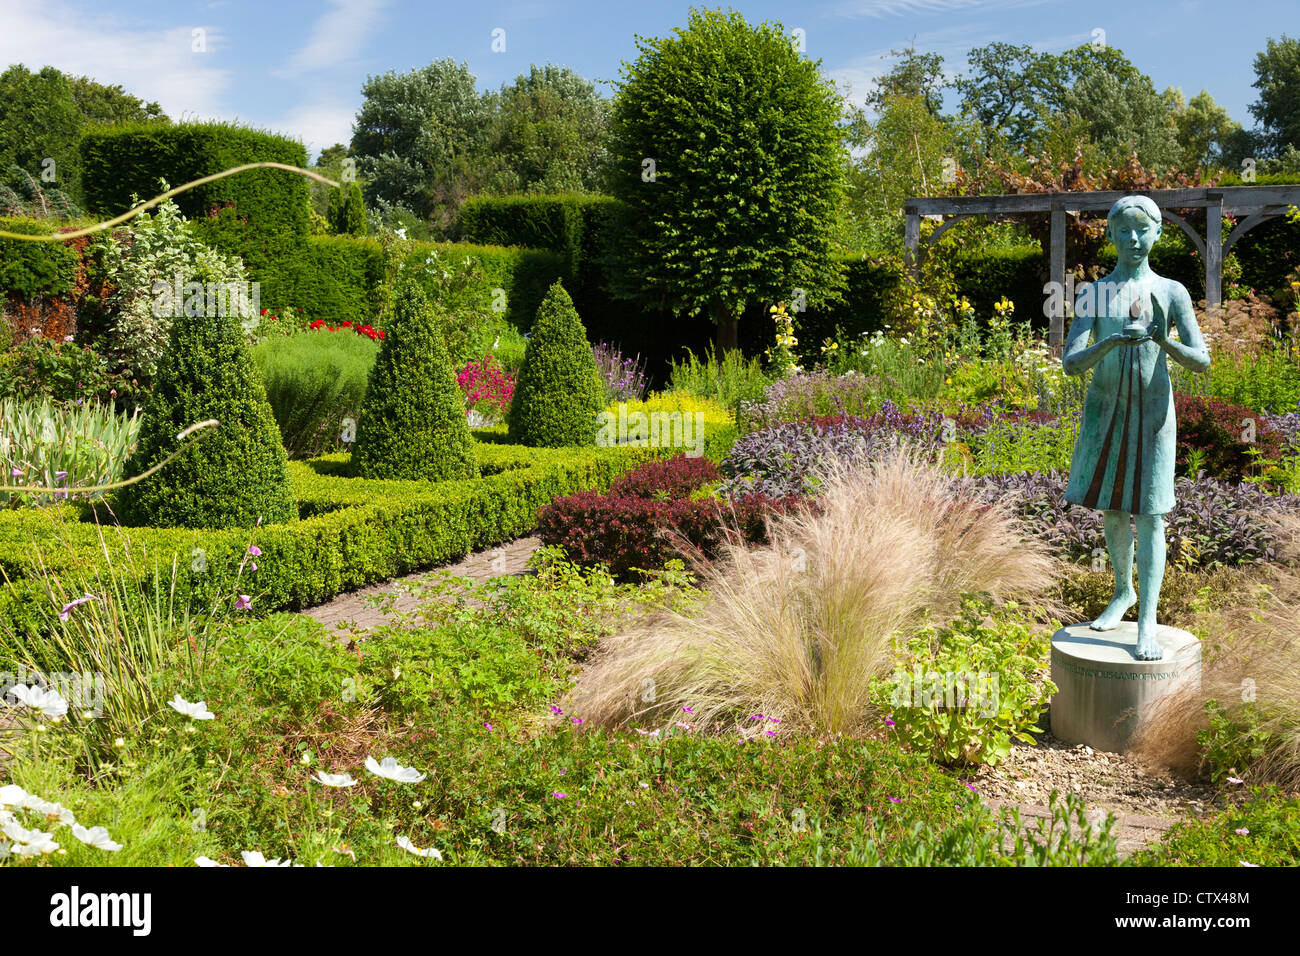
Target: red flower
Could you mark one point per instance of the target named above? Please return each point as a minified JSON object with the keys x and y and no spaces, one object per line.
{"x":264,"y":312}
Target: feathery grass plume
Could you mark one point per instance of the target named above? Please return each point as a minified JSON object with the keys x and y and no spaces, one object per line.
{"x":797,"y":630}
{"x":1251,"y":669}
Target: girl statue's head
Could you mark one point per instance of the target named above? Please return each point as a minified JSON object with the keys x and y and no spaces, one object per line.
{"x":1133,"y":225}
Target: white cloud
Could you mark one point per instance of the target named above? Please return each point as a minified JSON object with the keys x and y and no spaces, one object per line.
{"x":150,"y":61}
{"x":337,"y":36}
{"x":318,"y":125}
{"x":879,"y":9}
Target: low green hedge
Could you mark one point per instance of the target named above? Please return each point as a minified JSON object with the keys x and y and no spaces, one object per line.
{"x":352,"y":532}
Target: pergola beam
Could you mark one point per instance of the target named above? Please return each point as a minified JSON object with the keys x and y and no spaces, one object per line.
{"x":1252,"y":204}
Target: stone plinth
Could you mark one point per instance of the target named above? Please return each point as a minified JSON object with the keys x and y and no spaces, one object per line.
{"x":1103,"y":690}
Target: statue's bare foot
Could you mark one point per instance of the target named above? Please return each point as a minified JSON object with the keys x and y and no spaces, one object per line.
{"x":1109,"y":619}
{"x":1148,"y":648}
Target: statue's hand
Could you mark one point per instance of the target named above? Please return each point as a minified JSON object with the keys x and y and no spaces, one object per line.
{"x":1159,"y":329}
{"x":1120,"y":338}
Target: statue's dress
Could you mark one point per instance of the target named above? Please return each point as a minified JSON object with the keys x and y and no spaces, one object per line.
{"x":1124,"y":455}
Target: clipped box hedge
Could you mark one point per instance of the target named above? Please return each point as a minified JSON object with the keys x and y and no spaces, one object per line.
{"x":352,"y":532}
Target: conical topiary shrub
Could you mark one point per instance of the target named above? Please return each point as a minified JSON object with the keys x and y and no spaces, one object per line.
{"x":413,"y":424}
{"x":232,"y":477}
{"x":559,"y":392}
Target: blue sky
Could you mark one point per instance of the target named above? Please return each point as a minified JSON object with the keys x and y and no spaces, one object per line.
{"x":297,"y":68}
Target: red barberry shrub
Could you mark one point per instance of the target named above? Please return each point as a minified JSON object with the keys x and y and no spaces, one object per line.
{"x":673,"y":478}
{"x":1222,"y":433}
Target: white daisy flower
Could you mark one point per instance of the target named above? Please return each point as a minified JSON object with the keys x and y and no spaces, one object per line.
{"x":48,"y":702}
{"x":206,"y":861}
{"x":391,"y":769}
{"x":197,"y":711}
{"x":406,"y":844}
{"x":334,"y":779}
{"x":255,"y":858}
{"x":96,"y":836}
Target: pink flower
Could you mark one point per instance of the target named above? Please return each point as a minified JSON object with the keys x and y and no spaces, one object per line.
{"x":254,"y":550}
{"x":559,"y":796}
{"x":1242,"y":831}
{"x":244,"y":603}
{"x":67,"y":608}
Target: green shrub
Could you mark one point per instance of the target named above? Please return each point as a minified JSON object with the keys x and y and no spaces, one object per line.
{"x":561,"y":223}
{"x":347,"y":211}
{"x":559,"y":392}
{"x":1009,"y":446}
{"x":235,"y":477}
{"x":161,"y":248}
{"x":43,"y":368}
{"x":712,"y":429}
{"x":1262,"y":831}
{"x":31,"y":269}
{"x":314,"y":380}
{"x":413,"y":423}
{"x":962,"y":693}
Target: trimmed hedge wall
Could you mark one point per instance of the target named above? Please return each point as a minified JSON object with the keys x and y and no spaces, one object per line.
{"x":32,"y":269}
{"x":130,"y":158}
{"x":570,"y":225}
{"x":334,"y":277}
{"x":352,"y":531}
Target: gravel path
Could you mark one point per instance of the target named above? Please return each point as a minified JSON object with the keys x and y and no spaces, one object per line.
{"x":1145,"y":804}
{"x":351,"y":613}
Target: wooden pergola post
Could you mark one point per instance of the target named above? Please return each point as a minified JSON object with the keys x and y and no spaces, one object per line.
{"x":1056,"y":275}
{"x":1213,"y":249}
{"x":912,"y":240}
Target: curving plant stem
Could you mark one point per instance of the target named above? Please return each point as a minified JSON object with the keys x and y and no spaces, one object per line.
{"x":99,"y":227}
{"x":197,"y":426}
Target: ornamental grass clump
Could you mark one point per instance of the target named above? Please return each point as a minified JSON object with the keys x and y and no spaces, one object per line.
{"x":413,"y":425}
{"x":1243,"y":720}
{"x":797,"y":631}
{"x":559,"y":392}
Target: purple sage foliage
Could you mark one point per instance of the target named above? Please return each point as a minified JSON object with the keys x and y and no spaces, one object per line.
{"x":1288,"y":426}
{"x":784,"y":460}
{"x":625,"y":378}
{"x":1213,"y":522}
{"x":803,"y":395}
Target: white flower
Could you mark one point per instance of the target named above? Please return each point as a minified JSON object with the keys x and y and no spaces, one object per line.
{"x":391,"y":769}
{"x":43,"y":844}
{"x":13,"y":796}
{"x":49,"y":809}
{"x":96,"y":836}
{"x":334,"y":779}
{"x":406,"y":844}
{"x":48,"y":702}
{"x":197,"y":711}
{"x":255,"y":858}
{"x":205,"y":861}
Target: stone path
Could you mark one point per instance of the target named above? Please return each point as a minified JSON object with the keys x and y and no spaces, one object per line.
{"x":1133,"y":831}
{"x":351,"y":612}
